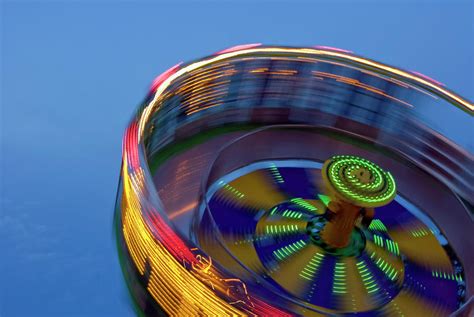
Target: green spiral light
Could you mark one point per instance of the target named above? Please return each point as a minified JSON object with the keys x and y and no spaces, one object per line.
{"x":359,"y":181}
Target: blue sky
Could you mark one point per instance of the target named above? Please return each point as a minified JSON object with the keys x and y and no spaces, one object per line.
{"x":73,"y":74}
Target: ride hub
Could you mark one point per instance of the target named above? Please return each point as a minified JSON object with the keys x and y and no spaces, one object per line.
{"x":296,"y":181}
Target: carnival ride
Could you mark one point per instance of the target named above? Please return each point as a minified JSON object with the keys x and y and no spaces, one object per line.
{"x":279,"y":181}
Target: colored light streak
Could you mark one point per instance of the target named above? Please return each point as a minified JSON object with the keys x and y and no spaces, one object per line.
{"x":276,"y":174}
{"x":377,"y":224}
{"x":282,"y":72}
{"x":183,"y":283}
{"x":389,"y":79}
{"x":233,"y":52}
{"x":232,"y":190}
{"x":288,"y":250}
{"x":310,"y":270}
{"x":367,"y":277}
{"x":339,"y":283}
{"x":447,"y":276}
{"x":238,"y":48}
{"x":332,"y":49}
{"x":292,"y":214}
{"x":358,"y":84}
{"x":188,"y":208}
{"x":419,"y":233}
{"x":161,"y":78}
{"x":302,"y":203}
{"x":378,"y":240}
{"x":165,"y":270}
{"x":428,"y":78}
{"x":281,"y":229}
{"x":392,"y":246}
{"x":389,"y":270}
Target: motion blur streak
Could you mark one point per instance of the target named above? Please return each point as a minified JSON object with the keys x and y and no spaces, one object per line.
{"x":177,"y":279}
{"x":189,"y":296}
{"x":462,"y":102}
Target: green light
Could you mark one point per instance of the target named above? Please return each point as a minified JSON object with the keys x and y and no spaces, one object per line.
{"x":281,"y":229}
{"x":302,"y":203}
{"x":292,"y":214}
{"x":339,"y":284}
{"x":325,"y":199}
{"x":360,"y":181}
{"x":276,"y":174}
{"x":394,"y":247}
{"x":447,"y":276}
{"x":288,"y":250}
{"x":310,"y":270}
{"x":385,"y":267}
{"x":367,"y":277}
{"x":377,"y":224}
{"x":232,"y":190}
{"x":419,"y":233}
{"x":378,"y":240}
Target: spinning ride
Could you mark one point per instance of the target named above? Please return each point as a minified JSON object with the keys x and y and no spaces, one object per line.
{"x":308,"y":181}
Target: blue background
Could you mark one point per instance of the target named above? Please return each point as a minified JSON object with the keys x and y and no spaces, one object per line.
{"x":73,"y":74}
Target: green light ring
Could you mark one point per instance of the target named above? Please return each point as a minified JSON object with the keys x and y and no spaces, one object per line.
{"x":346,"y":172}
{"x":350,"y":169}
{"x":339,"y":171}
{"x":356,"y":190}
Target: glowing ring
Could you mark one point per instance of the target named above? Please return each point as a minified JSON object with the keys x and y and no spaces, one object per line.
{"x":359,"y":181}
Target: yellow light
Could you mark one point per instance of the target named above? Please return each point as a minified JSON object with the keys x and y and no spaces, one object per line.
{"x":178,"y":291}
{"x":154,"y":103}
